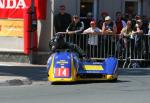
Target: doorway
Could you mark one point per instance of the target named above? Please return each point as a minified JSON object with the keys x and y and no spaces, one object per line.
{"x":131,"y":7}
{"x":86,"y":6}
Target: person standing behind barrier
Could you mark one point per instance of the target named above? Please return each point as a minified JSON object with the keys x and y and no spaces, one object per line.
{"x":137,"y":36}
{"x":149,"y":28}
{"x":138,"y":29}
{"x":75,"y":28}
{"x":125,"y":38}
{"x":109,"y":31}
{"x":93,"y":32}
{"x":145,"y":24}
{"x":102,"y":20}
{"x":62,"y":20}
{"x":146,"y":39}
{"x":120,"y":23}
{"x":109,"y":27}
{"x":87,"y":20}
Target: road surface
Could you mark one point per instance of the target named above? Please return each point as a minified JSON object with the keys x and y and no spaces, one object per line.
{"x":133,"y":86}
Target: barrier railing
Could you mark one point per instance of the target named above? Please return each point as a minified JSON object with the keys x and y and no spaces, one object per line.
{"x":135,"y":49}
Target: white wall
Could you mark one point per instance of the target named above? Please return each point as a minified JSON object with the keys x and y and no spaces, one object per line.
{"x":72,"y":6}
{"x":146,"y":8}
{"x":110,"y":6}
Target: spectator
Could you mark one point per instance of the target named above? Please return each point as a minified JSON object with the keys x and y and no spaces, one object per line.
{"x":93,"y":32}
{"x":134,"y":21}
{"x":62,"y":20}
{"x":137,"y":34}
{"x":109,"y":26}
{"x":146,"y":44}
{"x":125,"y":36}
{"x":126,"y":33}
{"x":75,"y":28}
{"x":149,"y":29}
{"x":120,"y":23}
{"x":138,"y":30}
{"x":102,"y":20}
{"x":127,"y":30}
{"x":87,"y":20}
{"x":126,"y":17}
{"x":145,"y":24}
{"x":137,"y":17}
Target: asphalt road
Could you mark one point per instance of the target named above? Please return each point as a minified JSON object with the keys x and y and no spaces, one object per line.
{"x":133,"y":86}
{"x":34,"y":73}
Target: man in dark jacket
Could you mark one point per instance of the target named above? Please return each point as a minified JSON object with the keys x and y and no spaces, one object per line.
{"x":62,"y":20}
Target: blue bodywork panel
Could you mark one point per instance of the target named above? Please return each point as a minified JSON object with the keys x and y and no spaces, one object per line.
{"x":108,"y":66}
{"x":69,"y":60}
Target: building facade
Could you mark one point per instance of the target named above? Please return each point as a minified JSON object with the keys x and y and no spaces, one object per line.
{"x":82,"y":7}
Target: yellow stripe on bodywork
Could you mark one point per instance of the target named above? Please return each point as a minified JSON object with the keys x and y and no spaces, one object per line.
{"x":93,"y":67}
{"x":51,"y":70}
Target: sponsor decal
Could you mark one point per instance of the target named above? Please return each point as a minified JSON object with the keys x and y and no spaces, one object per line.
{"x":62,"y":62}
{"x":12,"y":4}
{"x":93,"y":67}
{"x":15,"y":8}
{"x":62,"y":72}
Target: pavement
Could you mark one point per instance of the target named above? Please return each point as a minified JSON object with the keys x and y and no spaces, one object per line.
{"x":16,"y":74}
{"x":9,"y":73}
{"x":14,"y":80}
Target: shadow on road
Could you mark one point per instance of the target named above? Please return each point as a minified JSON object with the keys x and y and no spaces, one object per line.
{"x":33,"y":73}
{"x":88,"y":82}
{"x":40,"y":73}
{"x":135,"y":71}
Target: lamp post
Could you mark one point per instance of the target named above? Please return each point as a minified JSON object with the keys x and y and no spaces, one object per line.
{"x":52,"y":18}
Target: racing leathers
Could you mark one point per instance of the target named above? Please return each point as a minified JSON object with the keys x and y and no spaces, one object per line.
{"x":58,"y":42}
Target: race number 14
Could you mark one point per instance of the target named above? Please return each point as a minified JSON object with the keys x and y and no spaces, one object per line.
{"x":62,"y":72}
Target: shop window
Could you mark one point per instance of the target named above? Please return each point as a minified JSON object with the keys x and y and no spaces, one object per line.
{"x":131,"y":7}
{"x":85,"y":7}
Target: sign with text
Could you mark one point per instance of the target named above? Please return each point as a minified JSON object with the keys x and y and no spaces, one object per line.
{"x":15,"y":8}
{"x":11,"y":27}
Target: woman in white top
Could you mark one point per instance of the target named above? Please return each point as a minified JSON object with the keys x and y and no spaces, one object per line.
{"x":93,"y":32}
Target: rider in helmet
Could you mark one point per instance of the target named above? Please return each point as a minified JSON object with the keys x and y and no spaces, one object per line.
{"x":58,"y":42}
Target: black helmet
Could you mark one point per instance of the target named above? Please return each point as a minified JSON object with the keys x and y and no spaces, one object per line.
{"x":58,"y":40}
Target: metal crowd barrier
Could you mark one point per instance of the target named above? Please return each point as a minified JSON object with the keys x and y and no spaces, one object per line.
{"x":135,"y":49}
